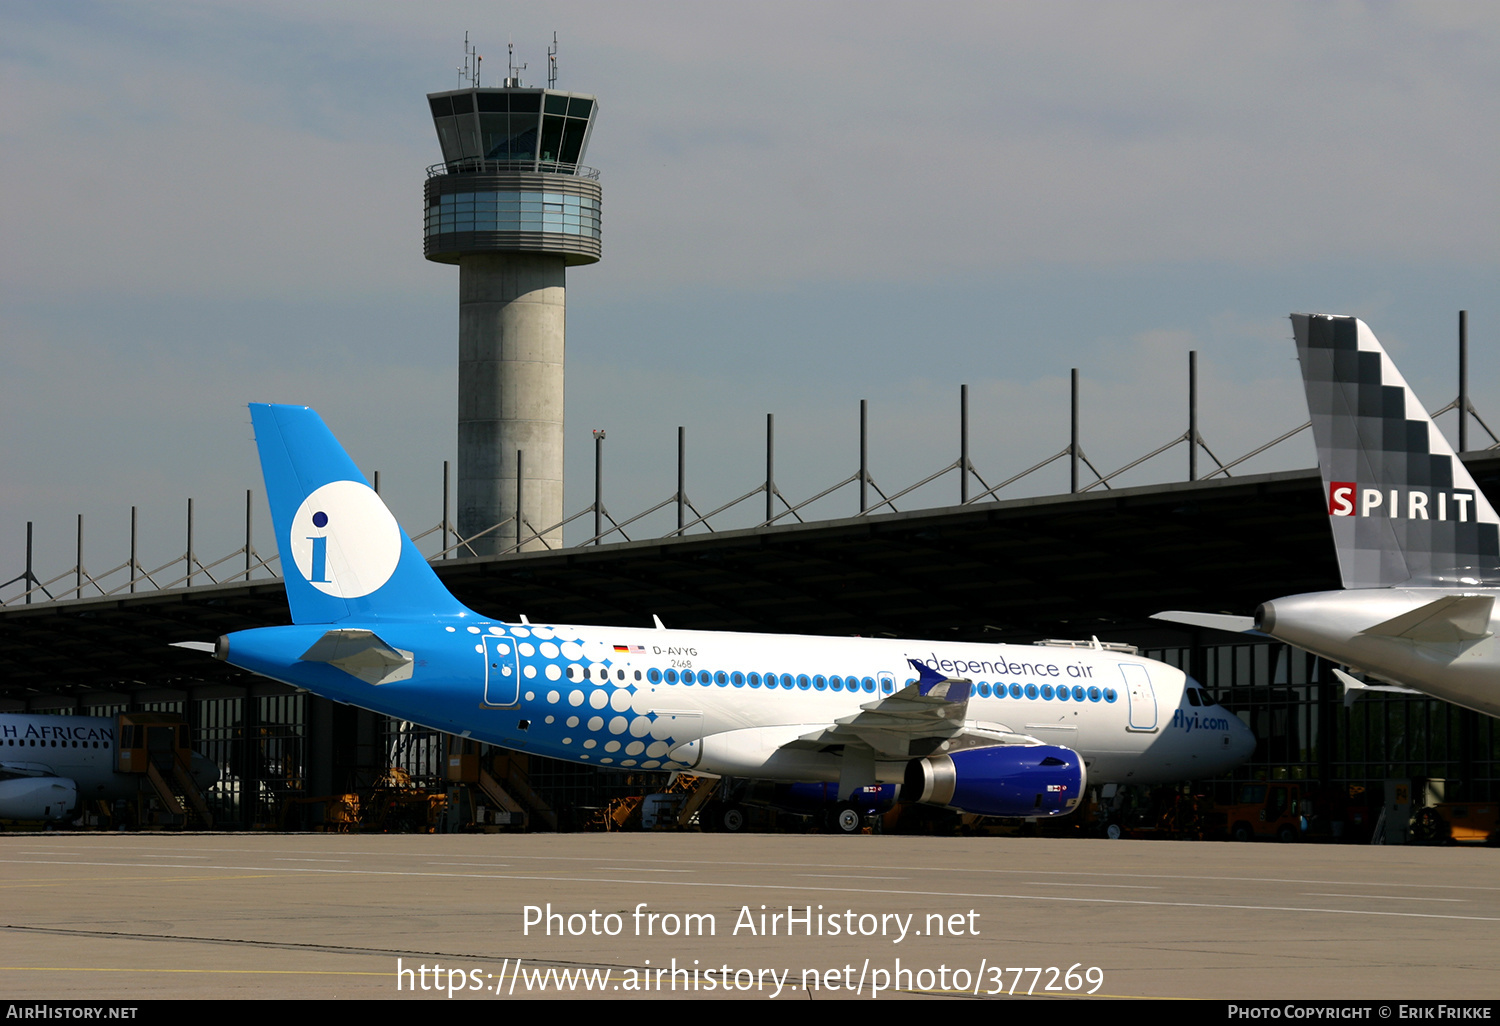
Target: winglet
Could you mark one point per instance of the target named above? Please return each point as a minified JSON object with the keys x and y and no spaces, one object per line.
{"x":931,"y":684}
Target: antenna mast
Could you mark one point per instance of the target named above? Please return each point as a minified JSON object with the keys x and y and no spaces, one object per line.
{"x":515,"y":72}
{"x":552,"y":63}
{"x":470,"y":71}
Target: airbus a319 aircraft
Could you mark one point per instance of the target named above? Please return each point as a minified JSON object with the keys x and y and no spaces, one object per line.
{"x":990,"y":729}
{"x":1418,"y":542}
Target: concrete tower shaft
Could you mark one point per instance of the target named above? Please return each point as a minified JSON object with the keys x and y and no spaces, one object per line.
{"x":512,"y":314}
{"x":512,"y":206}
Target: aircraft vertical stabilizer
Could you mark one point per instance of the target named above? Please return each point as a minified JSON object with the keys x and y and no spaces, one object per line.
{"x":343,"y":556}
{"x":1403,"y":508}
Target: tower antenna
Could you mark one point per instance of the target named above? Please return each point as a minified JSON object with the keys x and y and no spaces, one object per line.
{"x":470,"y":71}
{"x":515,"y":72}
{"x":552,"y":63}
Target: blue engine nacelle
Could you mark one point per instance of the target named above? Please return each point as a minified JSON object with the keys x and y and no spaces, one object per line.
{"x":1015,"y":781}
{"x":45,"y":798}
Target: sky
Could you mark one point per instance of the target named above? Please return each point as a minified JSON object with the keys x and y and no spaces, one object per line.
{"x":805,"y":205}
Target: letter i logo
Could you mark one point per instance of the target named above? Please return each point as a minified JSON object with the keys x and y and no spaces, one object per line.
{"x":344,"y":541}
{"x":319,"y":574}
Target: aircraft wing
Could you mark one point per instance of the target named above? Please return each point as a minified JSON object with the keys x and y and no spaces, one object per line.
{"x":26,"y":769}
{"x":913,"y":722}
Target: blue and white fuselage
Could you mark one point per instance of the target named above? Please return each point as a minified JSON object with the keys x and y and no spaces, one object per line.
{"x":970,"y":726}
{"x":706,"y":701}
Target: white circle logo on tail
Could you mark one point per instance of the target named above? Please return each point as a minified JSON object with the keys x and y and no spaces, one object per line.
{"x":344,"y":541}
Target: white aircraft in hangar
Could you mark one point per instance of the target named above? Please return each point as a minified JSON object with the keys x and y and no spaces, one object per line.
{"x":49,"y":764}
{"x":1418,"y":542}
{"x":991,"y":729}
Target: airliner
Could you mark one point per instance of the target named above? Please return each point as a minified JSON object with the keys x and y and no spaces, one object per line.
{"x":1003,"y":730}
{"x":1418,"y":542}
{"x":49,"y":764}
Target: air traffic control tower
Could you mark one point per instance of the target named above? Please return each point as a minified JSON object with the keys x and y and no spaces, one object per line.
{"x":513,"y":206}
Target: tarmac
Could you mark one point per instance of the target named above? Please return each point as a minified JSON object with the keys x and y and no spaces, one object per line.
{"x":760,"y":916}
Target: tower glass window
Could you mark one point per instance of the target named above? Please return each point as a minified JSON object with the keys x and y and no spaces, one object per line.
{"x":512,"y":125}
{"x":513,"y":212}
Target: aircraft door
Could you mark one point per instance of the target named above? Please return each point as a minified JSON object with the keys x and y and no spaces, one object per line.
{"x":502,"y":673}
{"x":1142,"y":698}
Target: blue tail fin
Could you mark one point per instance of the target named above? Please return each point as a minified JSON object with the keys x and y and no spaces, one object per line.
{"x":343,"y":556}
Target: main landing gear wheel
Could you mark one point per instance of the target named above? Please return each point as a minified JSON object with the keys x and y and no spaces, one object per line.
{"x":1430,"y":828}
{"x":732,"y":819}
{"x":848,"y":820}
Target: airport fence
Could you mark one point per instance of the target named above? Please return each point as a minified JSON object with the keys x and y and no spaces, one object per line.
{"x":770,"y":507}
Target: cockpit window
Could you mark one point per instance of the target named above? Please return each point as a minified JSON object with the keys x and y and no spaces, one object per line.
{"x":1198,"y":695}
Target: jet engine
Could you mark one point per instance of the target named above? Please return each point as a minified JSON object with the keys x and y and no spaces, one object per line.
{"x":1015,"y":781}
{"x":46,"y":798}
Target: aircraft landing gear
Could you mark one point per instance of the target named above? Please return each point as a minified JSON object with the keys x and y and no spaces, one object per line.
{"x":847,"y":820}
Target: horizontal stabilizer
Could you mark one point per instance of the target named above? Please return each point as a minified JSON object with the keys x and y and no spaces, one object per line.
{"x":361,"y":654}
{"x":1450,"y":618}
{"x":196,"y":646}
{"x":1218,"y":621}
{"x":1354,"y":688}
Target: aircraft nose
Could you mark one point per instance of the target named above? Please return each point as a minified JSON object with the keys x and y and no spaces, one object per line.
{"x":1241,"y":741}
{"x":205,"y":772}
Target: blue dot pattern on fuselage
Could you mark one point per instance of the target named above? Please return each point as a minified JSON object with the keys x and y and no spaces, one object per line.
{"x":608,"y":718}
